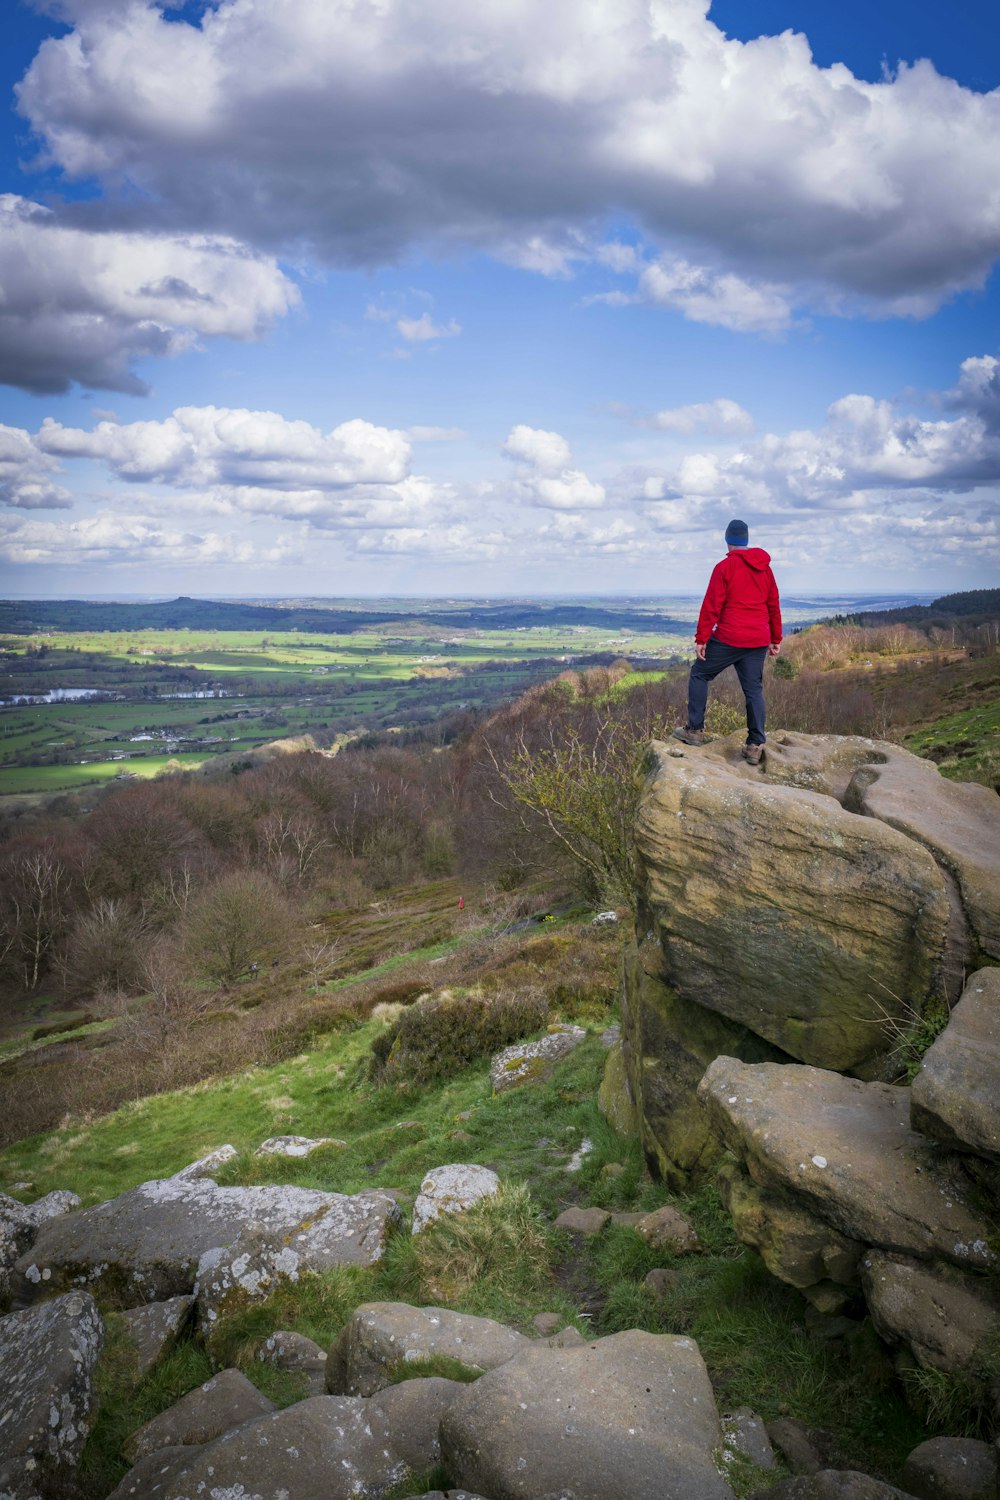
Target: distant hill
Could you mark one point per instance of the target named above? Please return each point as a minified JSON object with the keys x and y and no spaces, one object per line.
{"x":972,"y":607}
{"x":25,"y":616}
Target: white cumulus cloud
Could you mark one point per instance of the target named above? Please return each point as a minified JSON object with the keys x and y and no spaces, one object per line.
{"x":546,"y":477}
{"x":518,"y":127}
{"x":204,"y":445}
{"x":110,"y":538}
{"x":721,"y":416}
{"x":77,"y":305}
{"x":26,"y":474}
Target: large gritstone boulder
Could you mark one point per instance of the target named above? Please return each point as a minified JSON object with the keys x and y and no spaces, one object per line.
{"x":380,"y":1338}
{"x":324,"y":1448}
{"x":48,"y":1355}
{"x":773,"y":906}
{"x":633,"y":1413}
{"x":954,"y":1096}
{"x":667,"y":1043}
{"x":843,"y":1152}
{"x":146,"y":1245}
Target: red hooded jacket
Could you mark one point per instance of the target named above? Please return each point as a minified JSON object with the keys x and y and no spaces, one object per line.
{"x":741,"y":605}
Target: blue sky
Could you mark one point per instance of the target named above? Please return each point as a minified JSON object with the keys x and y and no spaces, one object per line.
{"x":318,"y":297}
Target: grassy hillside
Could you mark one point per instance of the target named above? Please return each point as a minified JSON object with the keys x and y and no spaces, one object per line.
{"x":505,"y":1260}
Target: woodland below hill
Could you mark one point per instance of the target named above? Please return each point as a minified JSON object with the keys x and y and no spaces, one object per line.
{"x":218,"y":910}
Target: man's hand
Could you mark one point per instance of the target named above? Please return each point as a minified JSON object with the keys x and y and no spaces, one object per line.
{"x":773,"y":650}
{"x":699,"y":647}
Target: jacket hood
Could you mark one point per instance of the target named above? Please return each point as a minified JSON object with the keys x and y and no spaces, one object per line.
{"x":754,"y":557}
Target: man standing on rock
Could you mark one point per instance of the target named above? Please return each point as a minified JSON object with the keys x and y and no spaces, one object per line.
{"x":739,"y":626}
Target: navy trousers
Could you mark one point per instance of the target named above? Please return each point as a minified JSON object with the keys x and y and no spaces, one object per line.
{"x":749,"y":664}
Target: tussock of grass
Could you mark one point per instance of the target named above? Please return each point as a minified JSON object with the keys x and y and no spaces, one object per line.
{"x":500,"y":1241}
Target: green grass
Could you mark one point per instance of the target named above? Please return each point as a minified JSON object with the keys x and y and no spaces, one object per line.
{"x":965,"y":745}
{"x":503,"y":1260}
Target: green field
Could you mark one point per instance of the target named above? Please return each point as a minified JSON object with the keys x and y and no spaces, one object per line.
{"x":274,"y":686}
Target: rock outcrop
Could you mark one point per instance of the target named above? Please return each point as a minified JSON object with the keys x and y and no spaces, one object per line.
{"x":149,"y":1244}
{"x":48,"y":1356}
{"x":381,"y":1338}
{"x":323,"y":1448}
{"x":578,"y":1421}
{"x":806,"y":910}
{"x":954,"y":1096}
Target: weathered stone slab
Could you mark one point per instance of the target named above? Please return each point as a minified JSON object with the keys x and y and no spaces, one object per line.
{"x":206,"y":1165}
{"x":631,"y":1413}
{"x":667,"y":1043}
{"x":19,"y":1224}
{"x":452,"y":1189}
{"x":530,"y":1062}
{"x":296,"y":1145}
{"x":957,"y":821}
{"x":48,"y":1355}
{"x":298,"y":1355}
{"x":155,"y":1328}
{"x":668,"y":1229}
{"x":324,"y":1448}
{"x":222,"y":1403}
{"x":845,"y":1152}
{"x":583,"y":1220}
{"x":151,"y":1474}
{"x":745,"y":1434}
{"x":778,"y":909}
{"x":950,"y":1468}
{"x":381,"y":1337}
{"x":796,"y":1246}
{"x":833,"y":1484}
{"x":351,"y":1232}
{"x":614,"y":1098}
{"x":147,"y":1244}
{"x":955,"y":1095}
{"x":941,"y":1317}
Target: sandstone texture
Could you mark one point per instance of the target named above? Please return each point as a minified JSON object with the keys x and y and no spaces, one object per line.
{"x":297,"y":1355}
{"x":451,"y":1190}
{"x":614,"y":1098}
{"x":48,"y":1355}
{"x":844,"y":1151}
{"x":222,"y":1403}
{"x":146,"y":1245}
{"x":578,"y":1421}
{"x":833,"y":1484}
{"x":295,"y":1145}
{"x":154,"y":1329}
{"x":380,"y":1337}
{"x":528,"y":1062}
{"x":958,"y":822}
{"x":946,"y":1468}
{"x":324,"y":1448}
{"x":942,"y":1317}
{"x":955,"y":1095}
{"x":667,"y":1043}
{"x":775,"y":907}
{"x":20,"y":1223}
{"x":667,"y":1228}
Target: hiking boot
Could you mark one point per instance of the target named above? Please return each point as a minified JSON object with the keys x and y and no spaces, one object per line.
{"x":752,"y":753}
{"x":691,"y":736}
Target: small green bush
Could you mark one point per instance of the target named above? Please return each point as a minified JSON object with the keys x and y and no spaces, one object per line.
{"x":440,"y":1037}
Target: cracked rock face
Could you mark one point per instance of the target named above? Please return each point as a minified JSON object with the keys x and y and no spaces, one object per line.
{"x":20,"y":1223}
{"x":774,"y":906}
{"x":844,"y":1152}
{"x":577,"y":1420}
{"x":380,"y":1336}
{"x":954,"y":1096}
{"x":324,"y":1448}
{"x":942,"y":1316}
{"x":48,"y":1355}
{"x":146,"y":1245}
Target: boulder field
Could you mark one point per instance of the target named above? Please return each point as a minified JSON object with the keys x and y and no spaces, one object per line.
{"x":804,"y":928}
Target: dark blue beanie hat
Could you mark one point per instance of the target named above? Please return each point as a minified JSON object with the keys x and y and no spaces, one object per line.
{"x":737,"y":534}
